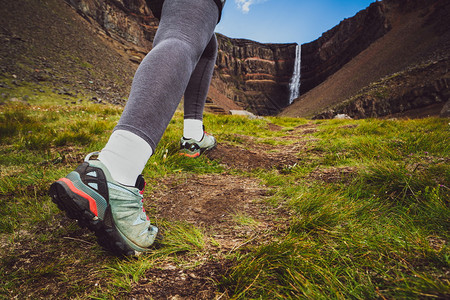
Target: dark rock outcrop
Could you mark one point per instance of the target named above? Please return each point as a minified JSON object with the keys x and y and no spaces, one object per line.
{"x":445,"y":111}
{"x":336,"y":47}
{"x":422,"y":91}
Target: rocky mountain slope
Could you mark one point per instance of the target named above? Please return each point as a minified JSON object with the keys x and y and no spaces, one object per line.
{"x":391,"y":58}
{"x":403,"y":70}
{"x":46,"y":43}
{"x":336,"y":47}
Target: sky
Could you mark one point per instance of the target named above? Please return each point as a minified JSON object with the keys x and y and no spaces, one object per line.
{"x":285,"y":21}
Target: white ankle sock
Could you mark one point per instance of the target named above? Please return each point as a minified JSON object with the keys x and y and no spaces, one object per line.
{"x":193,"y":129}
{"x":125,"y":156}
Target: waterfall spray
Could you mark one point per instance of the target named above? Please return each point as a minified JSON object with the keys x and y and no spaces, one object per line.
{"x":294,"y":85}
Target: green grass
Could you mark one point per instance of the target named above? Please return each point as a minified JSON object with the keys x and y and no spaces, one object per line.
{"x":382,"y":232}
{"x":372,"y":238}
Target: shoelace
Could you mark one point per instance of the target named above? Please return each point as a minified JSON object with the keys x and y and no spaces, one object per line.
{"x":142,"y":200}
{"x":142,"y":191}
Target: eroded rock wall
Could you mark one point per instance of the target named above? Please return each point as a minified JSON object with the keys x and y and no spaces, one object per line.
{"x":129,"y":23}
{"x":336,"y":47}
{"x":256,"y":75}
{"x":388,"y":38}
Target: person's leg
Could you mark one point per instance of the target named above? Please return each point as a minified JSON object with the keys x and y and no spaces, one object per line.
{"x":92,"y":194}
{"x":185,"y":30}
{"x":197,"y":90}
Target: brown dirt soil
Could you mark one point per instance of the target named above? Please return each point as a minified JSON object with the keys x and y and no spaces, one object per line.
{"x":215,"y":202}
{"x":207,"y":200}
{"x":333,"y":174}
{"x":259,"y":155}
{"x":173,"y":283}
{"x":213,"y":211}
{"x":243,"y":159}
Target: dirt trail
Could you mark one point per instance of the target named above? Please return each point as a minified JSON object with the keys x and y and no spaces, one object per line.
{"x":230,"y":209}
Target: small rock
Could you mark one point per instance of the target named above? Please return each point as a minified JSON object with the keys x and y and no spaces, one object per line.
{"x":342,"y":117}
{"x":136,"y":59}
{"x":445,"y":112}
{"x":169,"y":267}
{"x":244,"y":113}
{"x":16,"y":100}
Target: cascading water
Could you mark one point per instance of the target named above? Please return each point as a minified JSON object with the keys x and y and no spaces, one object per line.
{"x":294,"y":85}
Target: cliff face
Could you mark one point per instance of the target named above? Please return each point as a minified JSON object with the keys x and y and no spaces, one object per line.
{"x":253,"y":75}
{"x":388,"y":38}
{"x":256,"y":76}
{"x":336,"y":47}
{"x":128,"y":23}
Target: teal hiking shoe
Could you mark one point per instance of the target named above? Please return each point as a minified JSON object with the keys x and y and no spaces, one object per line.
{"x":113,"y":211}
{"x":194,"y":148}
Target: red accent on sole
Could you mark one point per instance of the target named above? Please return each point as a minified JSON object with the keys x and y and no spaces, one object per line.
{"x":190,"y":155}
{"x":92,"y":203}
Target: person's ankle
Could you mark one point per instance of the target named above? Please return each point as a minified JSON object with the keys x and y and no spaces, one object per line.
{"x":125,"y":156}
{"x":193,"y":129}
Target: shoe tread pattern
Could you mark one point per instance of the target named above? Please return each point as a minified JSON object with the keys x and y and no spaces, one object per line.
{"x":76,"y":208}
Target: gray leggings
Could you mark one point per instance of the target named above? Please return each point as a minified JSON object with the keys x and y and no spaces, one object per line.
{"x":182,"y":61}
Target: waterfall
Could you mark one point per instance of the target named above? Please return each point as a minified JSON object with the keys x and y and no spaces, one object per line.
{"x":294,"y":85}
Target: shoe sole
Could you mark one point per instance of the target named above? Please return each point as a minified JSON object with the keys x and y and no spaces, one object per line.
{"x":197,"y":154}
{"x":78,"y":208}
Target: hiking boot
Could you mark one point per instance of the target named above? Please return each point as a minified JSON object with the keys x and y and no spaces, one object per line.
{"x":193,"y":148}
{"x":113,"y":211}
